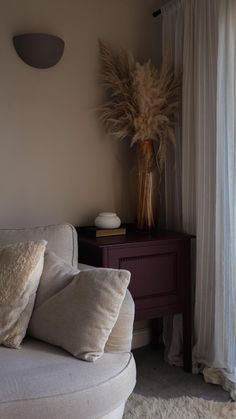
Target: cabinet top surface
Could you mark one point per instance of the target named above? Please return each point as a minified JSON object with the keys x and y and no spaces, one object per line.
{"x":132,"y":237}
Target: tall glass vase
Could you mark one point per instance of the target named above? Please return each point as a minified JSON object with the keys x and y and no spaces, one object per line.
{"x":146,"y":163}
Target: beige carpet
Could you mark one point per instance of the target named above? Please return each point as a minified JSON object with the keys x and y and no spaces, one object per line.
{"x":142,"y":407}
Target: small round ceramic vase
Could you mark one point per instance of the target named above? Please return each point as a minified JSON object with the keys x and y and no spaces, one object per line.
{"x":107,"y":220}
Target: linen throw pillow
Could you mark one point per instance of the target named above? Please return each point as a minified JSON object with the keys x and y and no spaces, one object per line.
{"x":57,"y":274}
{"x":80,"y":317}
{"x":21,"y":266}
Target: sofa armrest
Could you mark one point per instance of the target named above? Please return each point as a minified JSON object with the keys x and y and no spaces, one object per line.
{"x":120,"y":339}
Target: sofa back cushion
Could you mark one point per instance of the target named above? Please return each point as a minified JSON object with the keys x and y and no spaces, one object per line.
{"x":56,"y":275}
{"x":61,"y":238}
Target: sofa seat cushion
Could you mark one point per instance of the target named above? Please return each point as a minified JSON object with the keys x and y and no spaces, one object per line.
{"x":40,"y":371}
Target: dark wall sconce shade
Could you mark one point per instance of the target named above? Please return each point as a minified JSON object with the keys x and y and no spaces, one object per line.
{"x":39,"y":50}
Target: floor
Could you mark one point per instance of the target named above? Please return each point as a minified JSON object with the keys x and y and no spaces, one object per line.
{"x":156,"y":378}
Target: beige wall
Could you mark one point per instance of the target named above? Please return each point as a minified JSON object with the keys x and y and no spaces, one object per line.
{"x":56,"y":163}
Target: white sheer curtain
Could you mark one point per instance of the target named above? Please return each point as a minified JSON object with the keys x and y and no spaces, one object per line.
{"x":201,"y":36}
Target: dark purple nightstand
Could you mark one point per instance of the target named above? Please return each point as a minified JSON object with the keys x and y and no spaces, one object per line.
{"x":159,"y":263}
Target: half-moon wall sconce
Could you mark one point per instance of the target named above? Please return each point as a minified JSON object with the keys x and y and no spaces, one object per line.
{"x":39,"y":50}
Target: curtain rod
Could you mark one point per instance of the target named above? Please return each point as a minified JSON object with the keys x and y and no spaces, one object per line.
{"x":156,"y":13}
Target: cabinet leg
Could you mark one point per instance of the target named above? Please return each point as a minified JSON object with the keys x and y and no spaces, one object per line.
{"x":187,"y":313}
{"x":156,"y":333}
{"x":187,"y":341}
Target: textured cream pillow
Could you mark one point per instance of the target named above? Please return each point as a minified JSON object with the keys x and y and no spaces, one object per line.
{"x":21,"y":266}
{"x":80,"y":317}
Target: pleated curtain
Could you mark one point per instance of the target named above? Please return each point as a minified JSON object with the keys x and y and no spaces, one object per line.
{"x":200,"y":36}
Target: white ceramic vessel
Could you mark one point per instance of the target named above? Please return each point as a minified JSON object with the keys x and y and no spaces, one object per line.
{"x":107,"y":220}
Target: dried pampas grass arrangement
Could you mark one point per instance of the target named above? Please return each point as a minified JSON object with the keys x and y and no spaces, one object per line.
{"x":141,"y":106}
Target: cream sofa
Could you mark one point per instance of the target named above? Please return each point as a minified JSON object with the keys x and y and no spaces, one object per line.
{"x":40,"y":381}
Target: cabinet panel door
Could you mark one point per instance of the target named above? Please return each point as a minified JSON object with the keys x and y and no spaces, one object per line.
{"x":152,"y":274}
{"x":156,"y":276}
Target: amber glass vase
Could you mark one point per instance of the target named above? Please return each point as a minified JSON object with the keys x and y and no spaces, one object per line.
{"x":146,"y":163}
